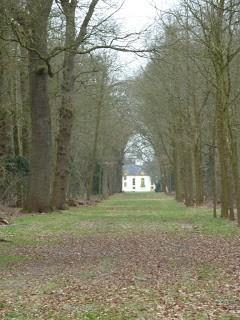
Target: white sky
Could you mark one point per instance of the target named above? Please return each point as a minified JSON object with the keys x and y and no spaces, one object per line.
{"x":140,"y":12}
{"x":134,"y":16}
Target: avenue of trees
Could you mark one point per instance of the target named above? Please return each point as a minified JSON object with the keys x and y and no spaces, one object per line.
{"x":65,"y":118}
{"x":187,"y":102}
{"x":62,"y":121}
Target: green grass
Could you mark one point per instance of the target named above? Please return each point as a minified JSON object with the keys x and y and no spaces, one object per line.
{"x":5,"y":259}
{"x":121,"y":213}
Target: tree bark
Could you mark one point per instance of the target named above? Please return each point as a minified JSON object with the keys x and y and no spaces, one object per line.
{"x":92,"y":162}
{"x":235,"y":172}
{"x":67,"y":105}
{"x":60,"y":185}
{"x":24,"y":92}
{"x":188,"y":177}
{"x":6,"y":130}
{"x":39,"y":188}
{"x":198,"y":174}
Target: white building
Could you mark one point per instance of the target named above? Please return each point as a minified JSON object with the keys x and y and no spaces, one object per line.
{"x":136,"y":180}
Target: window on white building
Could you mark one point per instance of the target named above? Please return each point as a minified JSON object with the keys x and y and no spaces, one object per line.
{"x":142,"y":182}
{"x":125,"y":184}
{"x":134,"y":181}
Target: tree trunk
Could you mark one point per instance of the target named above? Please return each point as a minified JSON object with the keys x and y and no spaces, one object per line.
{"x":198,"y":174}
{"x":24,"y":91}
{"x":224,"y":172}
{"x":64,"y":136}
{"x":235,"y":173}
{"x":72,"y":41}
{"x":39,"y":188}
{"x":6,"y":128}
{"x":119,"y":176}
{"x":92,"y":162}
{"x":61,"y":178}
{"x":188,"y":177}
{"x":105,"y":190}
{"x":213,"y":176}
{"x":17,"y":134}
{"x":177,"y":174}
{"x":221,"y":131}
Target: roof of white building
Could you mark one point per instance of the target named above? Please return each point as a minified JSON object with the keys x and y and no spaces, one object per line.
{"x":133,"y":170}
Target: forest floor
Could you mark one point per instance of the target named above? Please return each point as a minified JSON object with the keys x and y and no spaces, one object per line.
{"x":133,"y":256}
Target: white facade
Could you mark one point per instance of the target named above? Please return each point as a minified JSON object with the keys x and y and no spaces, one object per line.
{"x":137,"y":183}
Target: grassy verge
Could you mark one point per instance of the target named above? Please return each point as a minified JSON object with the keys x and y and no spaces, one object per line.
{"x":134,"y":212}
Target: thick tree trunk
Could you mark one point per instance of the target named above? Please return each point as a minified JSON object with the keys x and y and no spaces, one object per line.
{"x":72,"y":41}
{"x":41,"y":139}
{"x":39,"y":188}
{"x":61,"y":178}
{"x":60,"y":186}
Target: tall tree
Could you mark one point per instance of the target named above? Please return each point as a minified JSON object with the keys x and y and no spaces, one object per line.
{"x":72,"y":43}
{"x":40,"y":177}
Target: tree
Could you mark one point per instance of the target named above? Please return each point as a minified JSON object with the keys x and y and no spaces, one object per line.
{"x":217,"y":20}
{"x":72,"y":41}
{"x":39,"y":194}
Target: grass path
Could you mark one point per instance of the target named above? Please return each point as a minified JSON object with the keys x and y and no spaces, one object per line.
{"x":133,"y":256}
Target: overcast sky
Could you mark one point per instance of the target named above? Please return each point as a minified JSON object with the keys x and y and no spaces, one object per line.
{"x":135,"y":15}
{"x":140,"y":12}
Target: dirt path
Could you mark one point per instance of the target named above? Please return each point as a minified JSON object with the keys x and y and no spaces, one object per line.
{"x":147,"y":275}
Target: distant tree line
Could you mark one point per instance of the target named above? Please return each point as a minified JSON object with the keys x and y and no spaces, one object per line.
{"x":187,"y":102}
{"x":63,"y":128}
